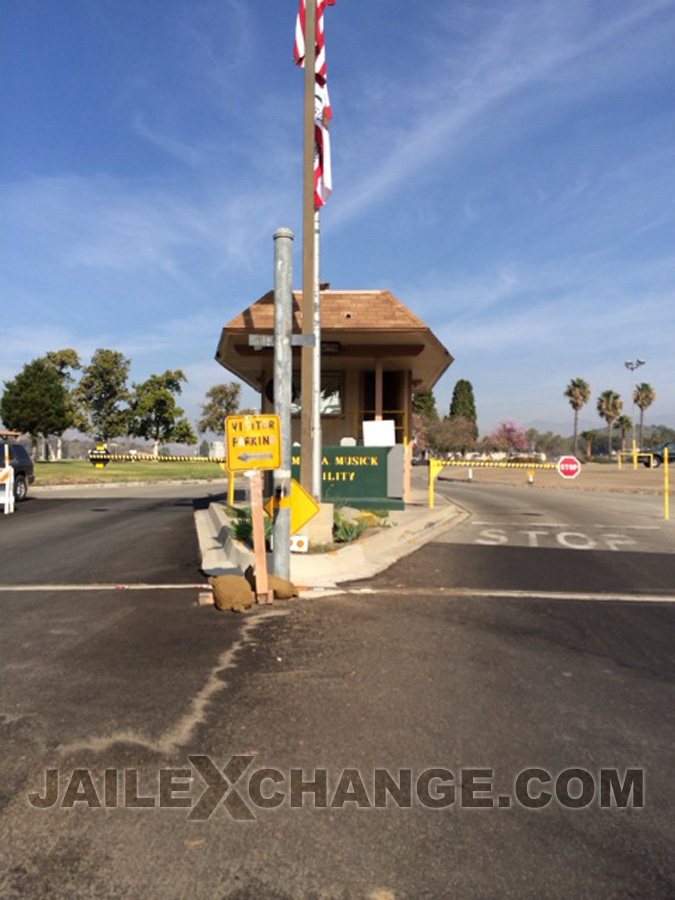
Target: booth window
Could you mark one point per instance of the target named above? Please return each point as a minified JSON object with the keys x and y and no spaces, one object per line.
{"x":331,"y":393}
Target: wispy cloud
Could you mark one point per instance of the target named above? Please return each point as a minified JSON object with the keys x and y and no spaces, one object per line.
{"x":420,"y":127}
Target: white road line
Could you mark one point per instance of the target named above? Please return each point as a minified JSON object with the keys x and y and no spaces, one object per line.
{"x":633,"y":527}
{"x":27,"y":588}
{"x":542,"y":524}
{"x":497,"y":594}
{"x":564,"y":525}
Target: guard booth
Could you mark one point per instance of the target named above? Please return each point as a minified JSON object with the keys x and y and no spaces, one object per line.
{"x":375,"y":353}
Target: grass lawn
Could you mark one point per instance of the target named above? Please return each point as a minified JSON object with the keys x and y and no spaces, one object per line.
{"x":77,"y":471}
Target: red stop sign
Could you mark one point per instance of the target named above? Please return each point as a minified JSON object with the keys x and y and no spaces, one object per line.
{"x":569,"y":466}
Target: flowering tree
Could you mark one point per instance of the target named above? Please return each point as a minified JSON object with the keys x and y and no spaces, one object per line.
{"x":507,"y":438}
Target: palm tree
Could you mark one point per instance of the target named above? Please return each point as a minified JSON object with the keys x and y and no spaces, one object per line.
{"x":589,"y":437}
{"x":578,"y":393}
{"x":625,"y":424}
{"x":643,"y":396}
{"x":609,"y":408}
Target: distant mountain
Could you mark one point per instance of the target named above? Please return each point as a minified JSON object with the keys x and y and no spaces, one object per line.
{"x":561,"y":428}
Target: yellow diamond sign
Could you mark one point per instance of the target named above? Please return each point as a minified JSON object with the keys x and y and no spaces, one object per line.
{"x":303,"y":506}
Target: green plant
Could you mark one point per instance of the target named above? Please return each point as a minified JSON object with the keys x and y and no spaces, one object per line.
{"x":345,"y":531}
{"x":242,"y":527}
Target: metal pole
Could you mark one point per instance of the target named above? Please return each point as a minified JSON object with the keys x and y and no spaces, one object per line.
{"x":316,"y":366}
{"x":283,"y":373}
{"x":308,"y":261}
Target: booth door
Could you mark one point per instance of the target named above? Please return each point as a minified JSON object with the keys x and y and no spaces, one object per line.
{"x":392,"y":401}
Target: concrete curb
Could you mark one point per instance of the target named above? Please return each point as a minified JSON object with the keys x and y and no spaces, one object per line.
{"x":89,"y":485}
{"x":221,"y":554}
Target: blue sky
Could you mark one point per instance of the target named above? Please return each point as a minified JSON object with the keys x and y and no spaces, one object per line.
{"x":505,"y":168}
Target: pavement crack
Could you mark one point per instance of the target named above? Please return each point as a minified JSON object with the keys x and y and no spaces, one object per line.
{"x":183,"y":730}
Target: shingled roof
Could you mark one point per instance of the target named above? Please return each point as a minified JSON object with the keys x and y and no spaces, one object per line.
{"x":344,"y":310}
{"x":365,"y":325}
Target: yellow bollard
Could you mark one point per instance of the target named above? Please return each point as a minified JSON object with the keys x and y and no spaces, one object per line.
{"x":435,"y":467}
{"x":666,"y":483}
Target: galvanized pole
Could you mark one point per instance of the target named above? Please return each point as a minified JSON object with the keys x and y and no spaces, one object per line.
{"x":283,"y":372}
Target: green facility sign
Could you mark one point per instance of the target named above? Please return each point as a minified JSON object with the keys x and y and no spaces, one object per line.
{"x":365,"y":477}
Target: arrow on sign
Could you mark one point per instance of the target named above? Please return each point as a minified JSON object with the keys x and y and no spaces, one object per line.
{"x":303,"y":506}
{"x":247,"y":457}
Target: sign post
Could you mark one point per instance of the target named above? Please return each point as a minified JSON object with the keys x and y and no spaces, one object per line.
{"x":262,"y":589}
{"x":283,"y":368}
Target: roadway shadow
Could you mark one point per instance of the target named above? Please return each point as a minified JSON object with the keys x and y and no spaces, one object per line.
{"x":531,"y":569}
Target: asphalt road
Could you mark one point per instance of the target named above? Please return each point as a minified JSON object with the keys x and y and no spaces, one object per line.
{"x":428,"y":666}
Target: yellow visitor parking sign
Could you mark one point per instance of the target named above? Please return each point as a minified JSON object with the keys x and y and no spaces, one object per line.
{"x":253,"y":442}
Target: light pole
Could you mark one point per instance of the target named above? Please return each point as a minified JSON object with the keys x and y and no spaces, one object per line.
{"x":632,"y":365}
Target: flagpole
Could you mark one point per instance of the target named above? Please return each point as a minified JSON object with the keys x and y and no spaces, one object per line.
{"x":308,"y":255}
{"x":316,"y":364}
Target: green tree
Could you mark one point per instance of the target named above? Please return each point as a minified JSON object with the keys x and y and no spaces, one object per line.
{"x":547,"y":442}
{"x":463,"y":403}
{"x":204,"y":448}
{"x":589,"y":437}
{"x":35,"y":402}
{"x":222,"y":400}
{"x":65,"y":362}
{"x":424,"y":404}
{"x":643,"y":397}
{"x":578,"y":392}
{"x":101,"y":393}
{"x":154,"y":413}
{"x":609,"y":408}
{"x":454,"y":435}
{"x":657,"y":434}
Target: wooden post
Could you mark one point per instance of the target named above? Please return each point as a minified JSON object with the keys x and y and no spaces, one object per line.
{"x":262,"y":590}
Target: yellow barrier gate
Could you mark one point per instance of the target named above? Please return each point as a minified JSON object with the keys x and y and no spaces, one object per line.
{"x":101,"y":456}
{"x":435,"y":466}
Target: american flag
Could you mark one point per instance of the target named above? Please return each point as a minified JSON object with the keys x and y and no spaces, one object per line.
{"x":323,"y":113}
